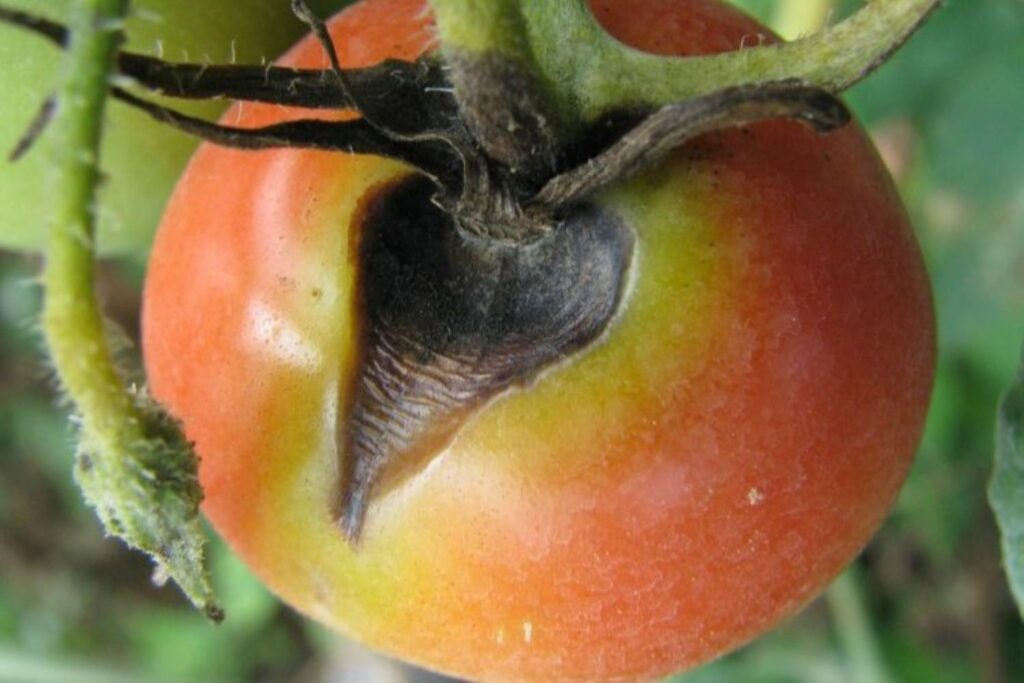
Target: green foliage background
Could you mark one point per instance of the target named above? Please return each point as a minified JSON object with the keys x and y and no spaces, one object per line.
{"x":927,"y":602}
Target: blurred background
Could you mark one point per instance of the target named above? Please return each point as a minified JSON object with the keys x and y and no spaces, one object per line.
{"x":927,"y":602}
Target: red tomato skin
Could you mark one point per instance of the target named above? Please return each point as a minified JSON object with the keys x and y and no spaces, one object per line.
{"x":698,"y":475}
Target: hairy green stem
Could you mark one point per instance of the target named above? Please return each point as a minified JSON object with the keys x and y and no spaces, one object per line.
{"x":853,"y":627}
{"x":72,"y":320}
{"x":132,"y":465}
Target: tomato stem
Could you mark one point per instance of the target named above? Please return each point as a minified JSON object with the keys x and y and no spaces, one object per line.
{"x":132,"y":464}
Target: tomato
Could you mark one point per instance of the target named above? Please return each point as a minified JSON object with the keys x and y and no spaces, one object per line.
{"x":699,"y":473}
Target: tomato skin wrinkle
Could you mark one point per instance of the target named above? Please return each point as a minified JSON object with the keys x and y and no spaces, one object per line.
{"x":702,"y":469}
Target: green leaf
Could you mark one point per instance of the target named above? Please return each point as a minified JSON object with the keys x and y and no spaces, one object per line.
{"x":974,"y":138}
{"x":20,"y":666}
{"x":759,"y":9}
{"x":145,"y":490}
{"x":1006,"y":491}
{"x":940,"y":59}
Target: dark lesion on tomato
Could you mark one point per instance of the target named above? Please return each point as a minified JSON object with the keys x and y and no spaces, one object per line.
{"x":451,"y":319}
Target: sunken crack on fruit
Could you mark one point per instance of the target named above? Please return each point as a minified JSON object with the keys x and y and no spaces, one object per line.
{"x":492,"y":260}
{"x":452,"y":319}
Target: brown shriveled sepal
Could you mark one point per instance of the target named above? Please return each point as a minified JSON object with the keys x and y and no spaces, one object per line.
{"x":673,"y":125}
{"x":434,"y":160}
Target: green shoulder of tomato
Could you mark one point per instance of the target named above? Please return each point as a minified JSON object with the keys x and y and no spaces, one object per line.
{"x":141,"y":158}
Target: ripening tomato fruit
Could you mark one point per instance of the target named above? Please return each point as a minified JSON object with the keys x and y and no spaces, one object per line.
{"x":702,"y":470}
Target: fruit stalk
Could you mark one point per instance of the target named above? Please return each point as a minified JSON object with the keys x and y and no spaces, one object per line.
{"x":132,"y":467}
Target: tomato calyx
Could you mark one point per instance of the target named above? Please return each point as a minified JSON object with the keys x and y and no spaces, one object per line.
{"x":500,"y":160}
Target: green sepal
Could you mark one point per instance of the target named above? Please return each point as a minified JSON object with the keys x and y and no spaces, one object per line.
{"x":148,"y":496}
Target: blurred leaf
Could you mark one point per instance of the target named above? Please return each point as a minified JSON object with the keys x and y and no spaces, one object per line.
{"x":183,"y":647}
{"x":143,"y":159}
{"x":1006,"y":491}
{"x":915,"y":662}
{"x":180,"y":644}
{"x":17,"y":667}
{"x":957,"y":86}
{"x":762,"y":10}
{"x":795,"y":19}
{"x":251,"y":605}
{"x":775,"y":664}
{"x":8,"y":617}
{"x":975,"y":142}
{"x":939,"y":58}
{"x":951,"y":465}
{"x":800,"y":651}
{"x":855,"y":630}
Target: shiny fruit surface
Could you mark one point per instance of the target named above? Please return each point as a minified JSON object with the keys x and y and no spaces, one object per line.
{"x":670,"y":492}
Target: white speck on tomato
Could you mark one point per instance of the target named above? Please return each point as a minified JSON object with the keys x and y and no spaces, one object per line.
{"x":755,"y":496}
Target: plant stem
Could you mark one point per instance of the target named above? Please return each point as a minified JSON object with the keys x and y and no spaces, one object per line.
{"x":853,"y":627}
{"x":72,"y":319}
{"x":132,"y":467}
